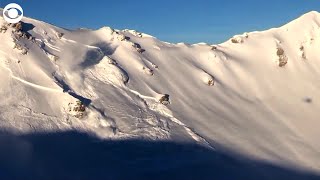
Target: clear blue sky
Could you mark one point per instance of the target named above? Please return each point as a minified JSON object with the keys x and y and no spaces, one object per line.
{"x":211,"y":21}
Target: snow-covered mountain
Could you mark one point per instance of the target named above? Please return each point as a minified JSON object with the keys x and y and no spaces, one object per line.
{"x":256,"y":95}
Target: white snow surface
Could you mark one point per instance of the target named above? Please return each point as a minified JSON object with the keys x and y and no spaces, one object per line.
{"x":254,"y":108}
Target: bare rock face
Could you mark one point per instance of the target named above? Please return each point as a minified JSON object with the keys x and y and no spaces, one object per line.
{"x":155,"y":66}
{"x":122,"y":37}
{"x":24,"y":51}
{"x":148,"y":71}
{"x":214,"y":48}
{"x":52,"y":57}
{"x":21,"y":47}
{"x":60,"y":35}
{"x":283,"y":59}
{"x":210,"y":82}
{"x":140,"y":50}
{"x":165,"y":99}
{"x":111,"y":61}
{"x":207,"y":78}
{"x":77,"y":109}
{"x":134,"y":32}
{"x":17,"y":26}
{"x":3,"y":28}
{"x":137,"y":47}
{"x":237,"y":39}
{"x":303,"y":52}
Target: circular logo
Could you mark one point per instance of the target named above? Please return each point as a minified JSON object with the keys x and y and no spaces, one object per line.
{"x":13,"y":13}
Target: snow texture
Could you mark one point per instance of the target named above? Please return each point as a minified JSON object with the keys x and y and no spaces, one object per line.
{"x":256,"y":95}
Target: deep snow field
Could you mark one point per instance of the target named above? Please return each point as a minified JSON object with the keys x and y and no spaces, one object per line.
{"x":120,"y":104}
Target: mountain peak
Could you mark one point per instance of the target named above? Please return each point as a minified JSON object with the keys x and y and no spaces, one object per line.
{"x":312,"y":16}
{"x":313,"y":13}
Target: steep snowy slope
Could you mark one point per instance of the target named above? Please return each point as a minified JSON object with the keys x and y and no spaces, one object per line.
{"x":257,"y":94}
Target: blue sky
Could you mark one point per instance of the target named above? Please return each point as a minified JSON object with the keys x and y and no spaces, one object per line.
{"x":192,"y":21}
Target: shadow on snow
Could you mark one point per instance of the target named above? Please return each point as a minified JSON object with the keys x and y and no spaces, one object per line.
{"x":78,"y":156}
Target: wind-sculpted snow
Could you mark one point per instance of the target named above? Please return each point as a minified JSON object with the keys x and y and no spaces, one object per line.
{"x":256,"y":95}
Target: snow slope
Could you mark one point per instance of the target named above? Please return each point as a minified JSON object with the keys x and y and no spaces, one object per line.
{"x":232,"y":95}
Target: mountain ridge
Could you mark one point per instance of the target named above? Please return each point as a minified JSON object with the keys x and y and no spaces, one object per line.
{"x":256,"y":94}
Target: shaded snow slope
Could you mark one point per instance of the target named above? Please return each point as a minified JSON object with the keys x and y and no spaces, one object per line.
{"x":257,"y":94}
